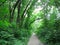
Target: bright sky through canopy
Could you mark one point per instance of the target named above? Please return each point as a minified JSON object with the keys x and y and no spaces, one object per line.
{"x":37,"y":9}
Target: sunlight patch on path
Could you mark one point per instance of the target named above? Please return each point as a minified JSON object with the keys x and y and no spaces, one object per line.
{"x":34,"y":40}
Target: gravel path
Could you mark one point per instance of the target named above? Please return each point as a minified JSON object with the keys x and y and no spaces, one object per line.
{"x":34,"y":40}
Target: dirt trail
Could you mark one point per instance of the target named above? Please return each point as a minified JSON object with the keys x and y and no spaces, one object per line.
{"x":34,"y":40}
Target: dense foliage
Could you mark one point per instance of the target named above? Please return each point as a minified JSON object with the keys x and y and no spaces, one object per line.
{"x":15,"y":21}
{"x":19,"y":18}
{"x":49,"y":28}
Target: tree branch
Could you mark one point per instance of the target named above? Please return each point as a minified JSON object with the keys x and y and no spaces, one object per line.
{"x":26,"y":9}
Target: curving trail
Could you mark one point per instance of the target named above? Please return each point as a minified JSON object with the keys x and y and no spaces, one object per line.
{"x":34,"y":40}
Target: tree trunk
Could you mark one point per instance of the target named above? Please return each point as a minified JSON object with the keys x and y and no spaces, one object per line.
{"x":18,"y":16}
{"x":23,"y":15}
{"x":13,"y":10}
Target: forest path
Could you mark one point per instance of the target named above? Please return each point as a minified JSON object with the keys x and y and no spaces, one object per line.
{"x":34,"y":40}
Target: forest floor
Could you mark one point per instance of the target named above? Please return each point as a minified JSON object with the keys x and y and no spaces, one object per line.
{"x":34,"y":40}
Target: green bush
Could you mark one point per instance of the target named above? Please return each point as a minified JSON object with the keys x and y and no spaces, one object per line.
{"x":49,"y":33}
{"x":9,"y":33}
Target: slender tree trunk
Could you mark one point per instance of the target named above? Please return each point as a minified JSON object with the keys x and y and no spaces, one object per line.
{"x":19,"y":16}
{"x":23,"y":15}
{"x":13,"y":10}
